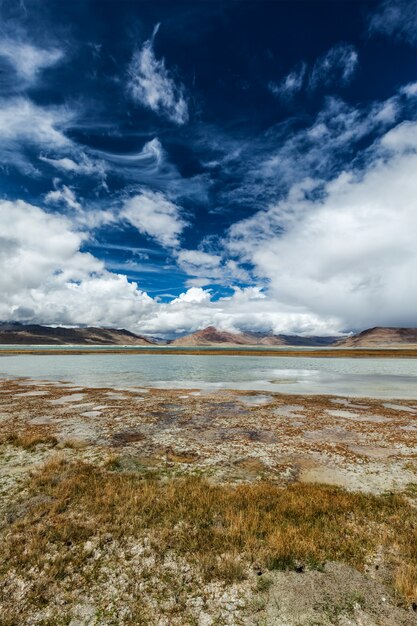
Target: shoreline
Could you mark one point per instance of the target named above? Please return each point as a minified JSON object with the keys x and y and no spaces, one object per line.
{"x":393,"y":353}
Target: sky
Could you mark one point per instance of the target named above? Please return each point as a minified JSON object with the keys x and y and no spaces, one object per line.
{"x":250,"y":165}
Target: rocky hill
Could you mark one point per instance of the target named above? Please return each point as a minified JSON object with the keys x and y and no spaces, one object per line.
{"x":35,"y":334}
{"x":211,"y":336}
{"x":380,"y":337}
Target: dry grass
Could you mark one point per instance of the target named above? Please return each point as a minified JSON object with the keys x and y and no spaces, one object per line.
{"x":219,"y":529}
{"x":29,"y":440}
{"x":73,"y":444}
{"x":406,"y":580}
{"x":256,"y":466}
{"x":180,"y":456}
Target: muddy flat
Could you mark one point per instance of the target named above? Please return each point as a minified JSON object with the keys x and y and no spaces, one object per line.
{"x":368,"y":444}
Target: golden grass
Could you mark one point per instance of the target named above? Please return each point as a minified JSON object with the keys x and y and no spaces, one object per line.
{"x":406,"y":580}
{"x":219,"y":529}
{"x":29,"y":440}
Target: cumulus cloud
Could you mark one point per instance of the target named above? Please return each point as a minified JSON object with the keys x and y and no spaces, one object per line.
{"x":289,"y":86}
{"x":245,"y":309}
{"x":350,"y":254}
{"x":396,"y":18}
{"x":155,"y":216}
{"x":46,"y":278}
{"x":151,"y":84}
{"x":336,"y":66}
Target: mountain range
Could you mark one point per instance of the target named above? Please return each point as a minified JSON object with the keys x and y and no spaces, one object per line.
{"x":211,"y":336}
{"x":380,"y":337}
{"x":36,"y":334}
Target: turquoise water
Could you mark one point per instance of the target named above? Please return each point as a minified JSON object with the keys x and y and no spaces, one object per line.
{"x":379,"y":378}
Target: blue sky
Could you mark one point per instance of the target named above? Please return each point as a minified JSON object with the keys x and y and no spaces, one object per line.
{"x":166,"y":166}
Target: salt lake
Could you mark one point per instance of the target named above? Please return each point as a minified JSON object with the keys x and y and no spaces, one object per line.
{"x":355,"y":377}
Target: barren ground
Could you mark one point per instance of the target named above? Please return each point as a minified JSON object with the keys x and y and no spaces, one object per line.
{"x":233,"y":440}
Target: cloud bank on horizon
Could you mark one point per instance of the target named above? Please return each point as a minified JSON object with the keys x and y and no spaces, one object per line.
{"x":164,"y":170}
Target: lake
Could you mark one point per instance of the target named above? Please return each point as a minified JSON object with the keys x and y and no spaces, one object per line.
{"x":378,"y":378}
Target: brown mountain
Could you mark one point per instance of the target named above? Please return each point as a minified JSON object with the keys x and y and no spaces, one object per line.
{"x":211,"y":336}
{"x":35,"y":334}
{"x":380,"y":337}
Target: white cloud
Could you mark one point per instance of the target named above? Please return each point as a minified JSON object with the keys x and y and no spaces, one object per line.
{"x":247,"y":308}
{"x":410,"y":90}
{"x":350,"y":255}
{"x":22,"y":120}
{"x":45,"y":277}
{"x":64,"y":196}
{"x":195,"y":295}
{"x":22,"y":63}
{"x":28,"y":60}
{"x":402,"y":137}
{"x":151,"y":154}
{"x":23,"y":123}
{"x":336,"y":66}
{"x":84,"y":166}
{"x":291,"y":84}
{"x":207,"y":268}
{"x":396,"y":18}
{"x":196,"y":259}
{"x":151,"y":84}
{"x":155,"y":216}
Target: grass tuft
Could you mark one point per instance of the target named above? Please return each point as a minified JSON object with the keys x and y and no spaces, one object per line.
{"x":29,"y":440}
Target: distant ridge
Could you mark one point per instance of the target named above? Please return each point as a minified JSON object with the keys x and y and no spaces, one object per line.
{"x":380,"y":336}
{"x":35,"y":334}
{"x":211,"y":336}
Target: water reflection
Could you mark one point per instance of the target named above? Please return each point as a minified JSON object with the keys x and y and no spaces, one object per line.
{"x":380,"y":378}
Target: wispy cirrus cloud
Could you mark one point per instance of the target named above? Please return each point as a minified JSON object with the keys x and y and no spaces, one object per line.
{"x":64,"y":196}
{"x":291,"y":84}
{"x":21,"y":63}
{"x":151,"y":84}
{"x":265,"y":166}
{"x":84,"y":165}
{"x":205,"y":268}
{"x":336,"y":67}
{"x":396,"y":18}
{"x":24,"y":124}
